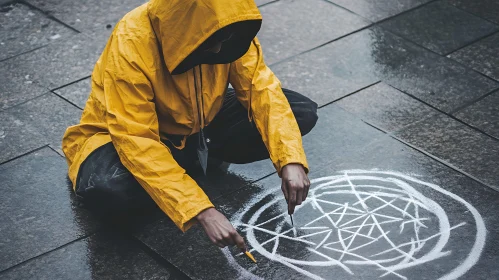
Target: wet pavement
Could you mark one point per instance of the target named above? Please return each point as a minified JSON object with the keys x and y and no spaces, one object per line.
{"x":404,"y":159}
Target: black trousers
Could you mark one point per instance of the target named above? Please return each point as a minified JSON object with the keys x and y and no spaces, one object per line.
{"x":105,"y":186}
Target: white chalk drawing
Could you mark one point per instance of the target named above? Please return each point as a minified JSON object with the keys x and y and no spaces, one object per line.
{"x":359,"y":221}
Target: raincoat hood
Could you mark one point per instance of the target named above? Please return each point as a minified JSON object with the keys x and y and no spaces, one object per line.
{"x":181,"y":26}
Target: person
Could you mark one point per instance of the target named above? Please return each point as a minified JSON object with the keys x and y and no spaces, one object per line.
{"x":160,"y":102}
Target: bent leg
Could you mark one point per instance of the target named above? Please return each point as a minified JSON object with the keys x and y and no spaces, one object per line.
{"x":106,"y":187}
{"x":234,"y":139}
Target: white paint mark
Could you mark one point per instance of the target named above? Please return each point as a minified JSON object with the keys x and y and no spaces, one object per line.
{"x":364,"y":226}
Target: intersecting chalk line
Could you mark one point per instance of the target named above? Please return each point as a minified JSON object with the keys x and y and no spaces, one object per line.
{"x":359,"y":210}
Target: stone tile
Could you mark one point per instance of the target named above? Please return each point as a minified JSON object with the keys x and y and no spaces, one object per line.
{"x":17,"y":86}
{"x":87,"y":15}
{"x":39,"y":209}
{"x":77,"y":93}
{"x":385,"y":107}
{"x":36,"y":123}
{"x":363,"y":58}
{"x":461,"y":146}
{"x":487,"y":9}
{"x":332,"y":71}
{"x":284,"y":34}
{"x":23,"y":29}
{"x":483,"y":115}
{"x":440,"y":27}
{"x":447,"y":200}
{"x":337,"y":133}
{"x":69,"y":60}
{"x":481,"y":56}
{"x":101,"y":256}
{"x":378,"y":10}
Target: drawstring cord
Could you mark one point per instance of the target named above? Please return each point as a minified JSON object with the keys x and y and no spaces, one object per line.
{"x":202,"y":147}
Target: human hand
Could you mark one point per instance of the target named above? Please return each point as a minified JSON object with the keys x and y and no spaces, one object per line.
{"x":295,"y":185}
{"x":219,"y":230}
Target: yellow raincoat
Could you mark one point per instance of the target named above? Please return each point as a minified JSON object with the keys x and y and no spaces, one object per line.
{"x":135,"y":100}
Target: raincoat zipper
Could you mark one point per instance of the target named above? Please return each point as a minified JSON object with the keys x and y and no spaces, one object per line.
{"x":250,"y":110}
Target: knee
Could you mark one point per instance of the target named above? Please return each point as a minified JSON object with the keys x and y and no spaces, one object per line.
{"x":107,"y":191}
{"x":304,"y":110}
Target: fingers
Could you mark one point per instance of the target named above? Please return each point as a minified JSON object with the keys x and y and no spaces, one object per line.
{"x":230,"y":238}
{"x":305,"y":189}
{"x":218,"y":242}
{"x":292,"y":199}
{"x":239,"y":241}
{"x":284,"y":188}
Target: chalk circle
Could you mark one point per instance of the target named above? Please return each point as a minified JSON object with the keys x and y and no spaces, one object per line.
{"x":373,"y":223}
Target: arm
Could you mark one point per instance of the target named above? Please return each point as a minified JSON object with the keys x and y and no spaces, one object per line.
{"x":259,"y":90}
{"x":134,"y":129}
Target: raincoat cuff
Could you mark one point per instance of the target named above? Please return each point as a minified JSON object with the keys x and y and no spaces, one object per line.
{"x":301,"y":161}
{"x":191,"y":214}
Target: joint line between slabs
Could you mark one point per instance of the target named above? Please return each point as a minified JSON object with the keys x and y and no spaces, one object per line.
{"x":48,"y":15}
{"x":172,"y":269}
{"x":23,"y":53}
{"x":435,"y":53}
{"x":350,"y":94}
{"x":25,"y":154}
{"x":70,"y":83}
{"x":67,"y":100}
{"x":49,"y":251}
{"x":346,"y":9}
{"x":445,"y":113}
{"x":473,"y":42}
{"x":449,"y":165}
{"x":470,"y":103}
{"x":372,"y":24}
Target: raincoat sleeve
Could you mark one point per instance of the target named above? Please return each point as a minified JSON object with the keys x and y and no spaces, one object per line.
{"x":259,"y":90}
{"x":134,"y":129}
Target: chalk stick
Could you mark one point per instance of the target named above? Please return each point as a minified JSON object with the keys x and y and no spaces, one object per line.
{"x":250,"y":256}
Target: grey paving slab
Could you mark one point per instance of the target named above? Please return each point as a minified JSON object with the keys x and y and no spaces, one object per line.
{"x":483,"y":115}
{"x":23,"y":29}
{"x":385,"y":107}
{"x":339,"y":132}
{"x":378,"y":10}
{"x":332,"y":71}
{"x":17,"y":86}
{"x":448,"y":204}
{"x":487,"y":9}
{"x":39,"y":211}
{"x":77,"y":93}
{"x":291,"y":27}
{"x":454,"y":142}
{"x":105,"y":255}
{"x":29,"y":75}
{"x":360,"y":59}
{"x":481,"y":56}
{"x":36,"y":123}
{"x":87,"y":15}
{"x":440,"y":27}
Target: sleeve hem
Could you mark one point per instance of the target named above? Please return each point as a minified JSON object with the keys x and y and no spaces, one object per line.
{"x":190,"y":215}
{"x":302,"y":161}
